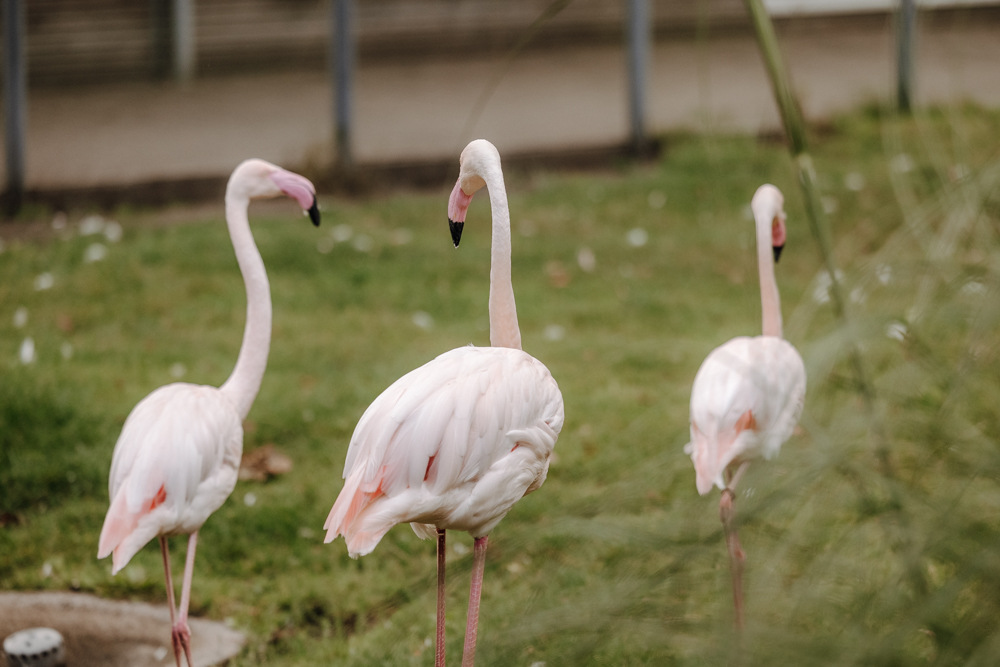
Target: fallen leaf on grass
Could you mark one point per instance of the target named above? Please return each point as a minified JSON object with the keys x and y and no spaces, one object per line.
{"x":64,"y":322}
{"x":557,"y":273}
{"x":263,"y":463}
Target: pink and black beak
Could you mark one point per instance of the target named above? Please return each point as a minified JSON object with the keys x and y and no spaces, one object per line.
{"x":314,"y":212}
{"x":456,"y":231}
{"x":458,"y":206}
{"x":778,"y":235}
{"x":300,"y":189}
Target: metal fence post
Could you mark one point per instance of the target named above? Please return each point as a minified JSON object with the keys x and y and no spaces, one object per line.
{"x":15,"y":99}
{"x":160,"y":32}
{"x":342,"y":50}
{"x":905,"y":29}
{"x":639,"y":35}
{"x":184,"y":53}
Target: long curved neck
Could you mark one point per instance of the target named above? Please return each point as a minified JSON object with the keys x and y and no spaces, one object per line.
{"x":769,"y":300}
{"x":244,"y":383}
{"x":504,"y":331}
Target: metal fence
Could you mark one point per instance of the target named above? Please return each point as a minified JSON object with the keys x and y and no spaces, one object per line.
{"x":60,"y":42}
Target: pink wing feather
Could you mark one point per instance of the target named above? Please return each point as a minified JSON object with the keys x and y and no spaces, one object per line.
{"x":745,"y":402}
{"x":439,"y":427}
{"x":174,"y":464}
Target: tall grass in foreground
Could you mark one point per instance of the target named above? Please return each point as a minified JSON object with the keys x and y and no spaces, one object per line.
{"x":853,"y":559}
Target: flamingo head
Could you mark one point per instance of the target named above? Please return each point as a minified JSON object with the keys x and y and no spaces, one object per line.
{"x":479,"y":158}
{"x":768,"y":205}
{"x":259,"y":179}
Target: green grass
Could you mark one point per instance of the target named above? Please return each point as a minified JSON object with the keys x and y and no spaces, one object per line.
{"x":616,"y":560}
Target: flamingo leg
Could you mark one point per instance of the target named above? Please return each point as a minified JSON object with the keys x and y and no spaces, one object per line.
{"x":476,"y":592}
{"x":165,"y":550}
{"x":737,"y":557}
{"x":439,"y":650}
{"x":182,"y":633}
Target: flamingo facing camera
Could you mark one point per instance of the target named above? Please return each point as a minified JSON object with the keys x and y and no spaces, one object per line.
{"x":455,"y":443}
{"x":748,"y":393}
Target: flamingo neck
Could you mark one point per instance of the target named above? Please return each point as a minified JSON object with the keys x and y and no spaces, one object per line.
{"x":769,"y":299}
{"x":504,"y":331}
{"x":244,"y":383}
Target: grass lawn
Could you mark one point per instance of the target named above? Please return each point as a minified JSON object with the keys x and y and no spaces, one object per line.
{"x":873,"y":539}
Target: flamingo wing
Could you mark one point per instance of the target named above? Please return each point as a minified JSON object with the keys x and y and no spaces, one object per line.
{"x":746,"y":399}
{"x":175,"y":462}
{"x":443,"y":427}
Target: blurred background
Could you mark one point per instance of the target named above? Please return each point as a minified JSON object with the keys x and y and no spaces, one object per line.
{"x":129,"y":93}
{"x":633,"y":134}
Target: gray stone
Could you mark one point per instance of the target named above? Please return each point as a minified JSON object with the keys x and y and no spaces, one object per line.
{"x":109,"y":633}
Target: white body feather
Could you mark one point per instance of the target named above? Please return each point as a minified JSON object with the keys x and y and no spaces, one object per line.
{"x":747,"y":398}
{"x":184,"y":439}
{"x":453,"y":444}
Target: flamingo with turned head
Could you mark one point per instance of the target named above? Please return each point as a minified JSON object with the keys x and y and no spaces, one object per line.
{"x":748,"y":393}
{"x":455,"y":443}
{"x":178,"y":455}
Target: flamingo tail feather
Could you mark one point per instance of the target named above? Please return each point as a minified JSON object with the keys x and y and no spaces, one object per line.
{"x":120,"y":523}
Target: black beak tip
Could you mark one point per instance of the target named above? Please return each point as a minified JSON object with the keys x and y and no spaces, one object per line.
{"x":777,"y":252}
{"x":314,"y":213}
{"x":456,"y":231}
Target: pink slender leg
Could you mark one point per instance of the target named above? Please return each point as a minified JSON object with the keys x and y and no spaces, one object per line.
{"x":737,"y":557}
{"x":170,"y":597}
{"x":439,"y":651}
{"x":478,"y":566}
{"x":181,"y":629}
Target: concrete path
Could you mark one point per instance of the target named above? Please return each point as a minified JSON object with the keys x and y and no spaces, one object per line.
{"x":548,"y":100}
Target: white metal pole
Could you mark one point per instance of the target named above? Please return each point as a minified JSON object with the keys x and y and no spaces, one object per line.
{"x":184,"y":51}
{"x":639,"y":36}
{"x":342,"y":56}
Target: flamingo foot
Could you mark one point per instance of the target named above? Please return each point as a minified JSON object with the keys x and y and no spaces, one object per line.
{"x":180,"y":636}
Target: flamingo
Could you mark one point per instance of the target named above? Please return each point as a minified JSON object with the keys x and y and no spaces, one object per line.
{"x":455,"y":443}
{"x":748,"y":393}
{"x":177,"y":458}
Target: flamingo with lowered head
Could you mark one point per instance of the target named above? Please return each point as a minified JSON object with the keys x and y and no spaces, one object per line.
{"x":748,"y":393}
{"x":178,"y":455}
{"x":455,"y":443}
